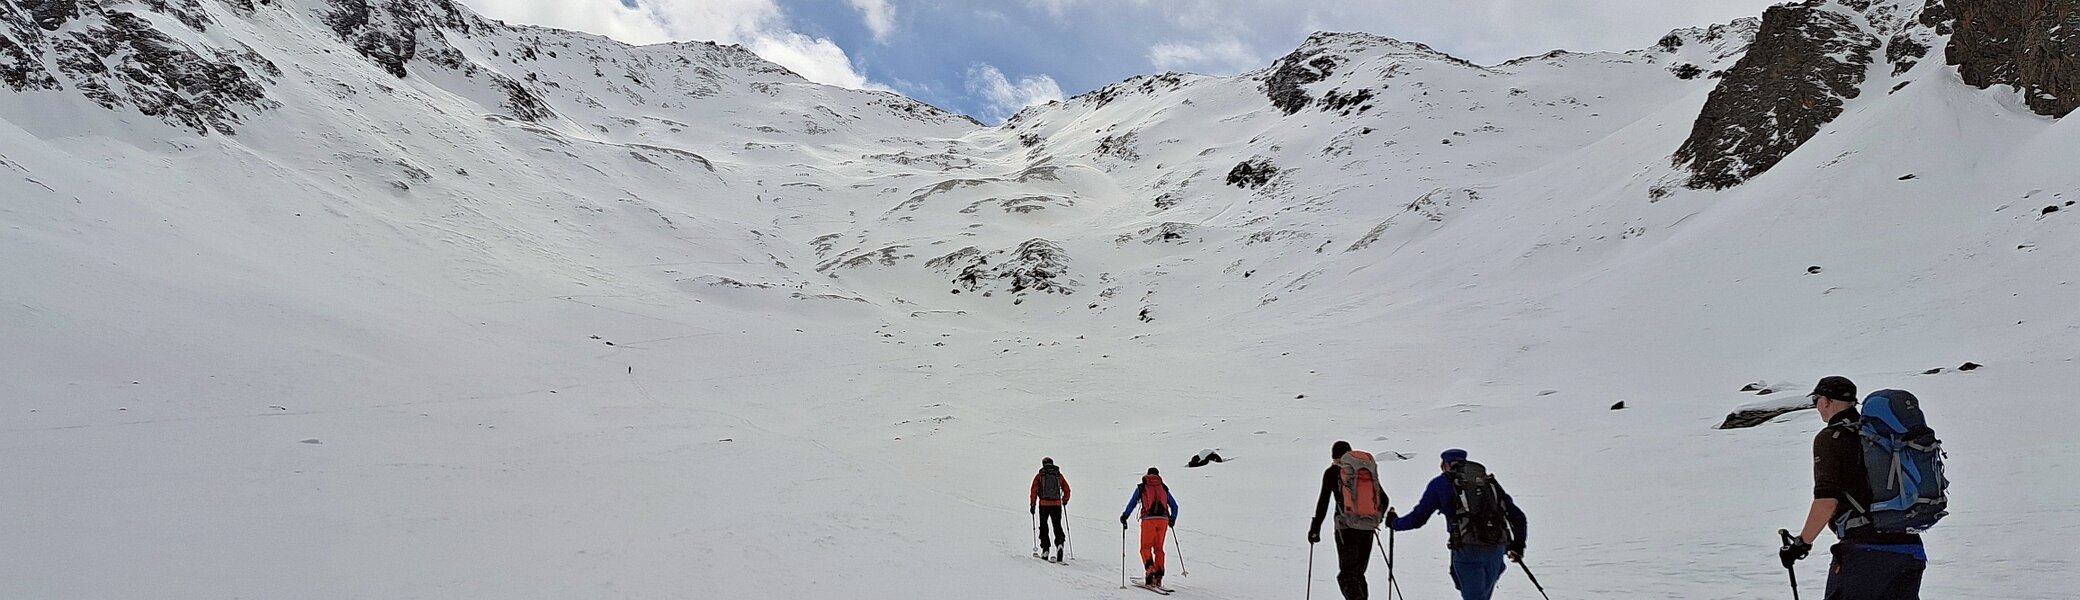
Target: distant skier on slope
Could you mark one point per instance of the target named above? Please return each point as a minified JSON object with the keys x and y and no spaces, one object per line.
{"x":1158,"y":515}
{"x":1482,"y":522}
{"x":1048,"y":498}
{"x":1352,"y":481}
{"x":1879,"y":555}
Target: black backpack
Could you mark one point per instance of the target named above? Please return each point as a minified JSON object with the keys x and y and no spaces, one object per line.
{"x":1050,"y":483}
{"x":1477,"y":506}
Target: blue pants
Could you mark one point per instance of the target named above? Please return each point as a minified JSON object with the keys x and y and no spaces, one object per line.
{"x":1865,"y":573}
{"x":1475,"y":570}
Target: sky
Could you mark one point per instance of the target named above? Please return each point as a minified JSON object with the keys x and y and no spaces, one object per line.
{"x":989,"y":58}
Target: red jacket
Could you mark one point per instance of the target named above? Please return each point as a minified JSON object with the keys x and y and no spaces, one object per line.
{"x":1033,"y":497}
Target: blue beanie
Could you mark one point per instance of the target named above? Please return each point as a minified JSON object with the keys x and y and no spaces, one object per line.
{"x":1454,"y":455}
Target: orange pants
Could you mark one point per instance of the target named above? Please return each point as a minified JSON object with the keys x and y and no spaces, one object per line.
{"x":1152,"y":532}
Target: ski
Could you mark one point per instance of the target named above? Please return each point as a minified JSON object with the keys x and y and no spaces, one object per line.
{"x":1139,"y":582}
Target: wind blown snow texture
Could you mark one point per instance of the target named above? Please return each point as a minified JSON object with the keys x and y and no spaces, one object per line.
{"x":548,"y":316}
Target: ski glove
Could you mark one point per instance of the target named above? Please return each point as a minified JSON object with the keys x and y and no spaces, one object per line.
{"x":1794,"y":550}
{"x":1314,"y":536}
{"x":1123,"y":521}
{"x":1030,"y":509}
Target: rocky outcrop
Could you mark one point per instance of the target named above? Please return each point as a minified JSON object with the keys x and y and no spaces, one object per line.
{"x":1286,"y":84}
{"x":394,"y":32}
{"x":1807,"y":59}
{"x":118,"y":58}
{"x":1035,"y":265}
{"x":2033,"y":45}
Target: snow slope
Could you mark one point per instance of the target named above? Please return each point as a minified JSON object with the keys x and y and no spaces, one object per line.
{"x":672,"y":322}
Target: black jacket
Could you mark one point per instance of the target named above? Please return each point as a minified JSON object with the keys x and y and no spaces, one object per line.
{"x":1838,"y":473}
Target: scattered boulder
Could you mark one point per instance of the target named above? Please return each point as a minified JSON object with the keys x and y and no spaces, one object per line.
{"x":2050,"y":209}
{"x":1762,"y":411}
{"x":1252,"y":173}
{"x":313,"y":441}
{"x":1932,"y":371}
{"x":1619,"y":406}
{"x":1813,"y":270}
{"x":1969,"y":366}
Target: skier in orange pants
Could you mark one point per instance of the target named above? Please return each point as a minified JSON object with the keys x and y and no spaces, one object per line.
{"x":1158,"y":514}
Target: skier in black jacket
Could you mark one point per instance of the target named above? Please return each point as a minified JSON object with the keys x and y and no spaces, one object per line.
{"x":1353,"y":546}
{"x":1868,"y":565}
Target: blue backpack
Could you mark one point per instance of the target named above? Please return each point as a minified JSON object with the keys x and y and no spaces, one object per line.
{"x":1904,"y":461}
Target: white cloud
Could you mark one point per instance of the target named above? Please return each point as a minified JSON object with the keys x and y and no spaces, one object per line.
{"x":879,"y":16}
{"x":1216,"y":57}
{"x":1006,"y":97}
{"x":757,"y":24}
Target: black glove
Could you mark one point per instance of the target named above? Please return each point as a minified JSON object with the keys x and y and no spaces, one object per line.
{"x":1793,"y":550}
{"x":1122,"y":521}
{"x":1031,"y":510}
{"x":1391,"y":516}
{"x":1516,"y":551}
{"x":1314,"y":536}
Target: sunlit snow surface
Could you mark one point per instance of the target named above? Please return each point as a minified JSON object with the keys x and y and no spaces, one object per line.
{"x":682,"y":340}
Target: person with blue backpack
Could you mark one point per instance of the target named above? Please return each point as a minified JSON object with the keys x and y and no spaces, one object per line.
{"x":1482,"y":523}
{"x":1877,"y":483}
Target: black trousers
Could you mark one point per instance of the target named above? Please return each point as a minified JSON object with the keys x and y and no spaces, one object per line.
{"x":1353,"y":554}
{"x":1051,"y":514}
{"x":1860,"y":573}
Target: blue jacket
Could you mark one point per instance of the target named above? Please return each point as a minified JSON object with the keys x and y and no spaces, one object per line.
{"x":1438,"y":498}
{"x":1136,"y":499}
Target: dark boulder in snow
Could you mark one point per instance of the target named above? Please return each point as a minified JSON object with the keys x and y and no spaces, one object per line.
{"x":1252,"y":173}
{"x":1805,"y":62}
{"x":1969,"y":366}
{"x":1762,"y":411}
{"x":1619,"y":406}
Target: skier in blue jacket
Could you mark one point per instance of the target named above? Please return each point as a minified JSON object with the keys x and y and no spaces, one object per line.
{"x":1476,"y":565}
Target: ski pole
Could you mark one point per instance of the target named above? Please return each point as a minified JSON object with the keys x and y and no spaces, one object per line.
{"x":1393,"y":587}
{"x":1181,"y":570}
{"x":1534,"y":579}
{"x":1066,"y":526}
{"x":1035,"y":521}
{"x":1785,"y":535}
{"x":1123,"y":556}
{"x":1310,"y":571}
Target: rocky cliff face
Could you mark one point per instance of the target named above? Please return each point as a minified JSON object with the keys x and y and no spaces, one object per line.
{"x":116,"y":57}
{"x":2033,"y":45}
{"x":1806,"y":60}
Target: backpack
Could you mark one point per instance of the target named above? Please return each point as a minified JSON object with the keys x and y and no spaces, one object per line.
{"x":1359,"y":488}
{"x":1481,"y":517}
{"x":1155,"y":497}
{"x":1050,"y":483}
{"x":1904,"y":464}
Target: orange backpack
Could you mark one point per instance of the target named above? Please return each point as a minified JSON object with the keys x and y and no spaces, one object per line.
{"x":1361,"y":508}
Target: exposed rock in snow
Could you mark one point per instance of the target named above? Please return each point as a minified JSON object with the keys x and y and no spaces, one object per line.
{"x":2031,"y":45}
{"x":1807,"y":59}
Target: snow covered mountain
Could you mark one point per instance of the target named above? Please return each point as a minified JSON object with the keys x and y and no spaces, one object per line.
{"x":553,"y":316}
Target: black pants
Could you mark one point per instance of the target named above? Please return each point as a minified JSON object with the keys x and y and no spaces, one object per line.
{"x":1353,"y":554}
{"x":1860,"y":573}
{"x":1054,"y":514}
